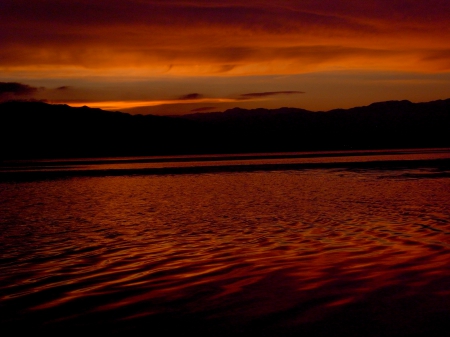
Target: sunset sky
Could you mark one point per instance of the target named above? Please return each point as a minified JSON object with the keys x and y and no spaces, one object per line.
{"x":174,"y":57}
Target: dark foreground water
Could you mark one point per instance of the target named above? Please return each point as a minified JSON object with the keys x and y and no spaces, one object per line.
{"x":270,"y":249}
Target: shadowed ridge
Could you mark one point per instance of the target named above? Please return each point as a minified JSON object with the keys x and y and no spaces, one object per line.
{"x":237,"y":113}
{"x":394,"y":103}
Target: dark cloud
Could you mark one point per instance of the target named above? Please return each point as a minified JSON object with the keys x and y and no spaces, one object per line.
{"x":269,"y":93}
{"x":16,"y":89}
{"x":206,"y":108}
{"x":64,"y":87}
{"x":190,"y":96}
{"x":43,"y":100}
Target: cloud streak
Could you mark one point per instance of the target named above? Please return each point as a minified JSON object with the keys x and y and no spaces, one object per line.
{"x":130,"y":104}
{"x":189,"y":97}
{"x":192,"y":98}
{"x":269,"y":93}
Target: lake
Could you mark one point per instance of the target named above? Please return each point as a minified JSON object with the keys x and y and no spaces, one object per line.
{"x":301,"y":244}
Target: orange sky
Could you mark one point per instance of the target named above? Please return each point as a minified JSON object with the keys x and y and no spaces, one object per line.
{"x":181,"y":56}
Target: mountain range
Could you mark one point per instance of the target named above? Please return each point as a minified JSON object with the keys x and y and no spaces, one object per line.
{"x":41,"y":130}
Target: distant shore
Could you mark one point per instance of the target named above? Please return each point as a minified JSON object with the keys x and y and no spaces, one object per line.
{"x":441,"y":168}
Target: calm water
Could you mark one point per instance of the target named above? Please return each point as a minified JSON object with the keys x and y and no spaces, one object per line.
{"x":340,"y":251}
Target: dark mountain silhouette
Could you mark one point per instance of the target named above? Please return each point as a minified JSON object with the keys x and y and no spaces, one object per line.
{"x":393,"y":124}
{"x":40,"y":130}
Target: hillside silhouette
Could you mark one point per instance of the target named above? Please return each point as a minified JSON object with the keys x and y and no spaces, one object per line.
{"x":41,"y":130}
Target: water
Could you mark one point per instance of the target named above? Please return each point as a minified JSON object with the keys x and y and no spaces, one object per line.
{"x":335,"y":250}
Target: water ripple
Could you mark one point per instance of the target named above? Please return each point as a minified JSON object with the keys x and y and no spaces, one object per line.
{"x":279,"y":253}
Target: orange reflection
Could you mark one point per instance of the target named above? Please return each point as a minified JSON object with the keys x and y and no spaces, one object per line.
{"x":287,"y":248}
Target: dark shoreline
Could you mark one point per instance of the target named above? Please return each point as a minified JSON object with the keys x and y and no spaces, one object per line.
{"x":441,"y":165}
{"x":214,"y":157}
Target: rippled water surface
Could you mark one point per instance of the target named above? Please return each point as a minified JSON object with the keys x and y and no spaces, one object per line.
{"x":328,"y":252}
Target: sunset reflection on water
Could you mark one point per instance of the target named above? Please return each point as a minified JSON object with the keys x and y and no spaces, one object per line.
{"x":323,"y":252}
